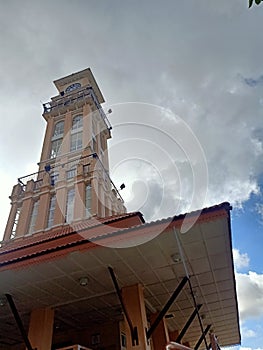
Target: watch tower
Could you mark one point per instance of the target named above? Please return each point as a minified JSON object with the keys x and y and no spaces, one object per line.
{"x":72,"y":183}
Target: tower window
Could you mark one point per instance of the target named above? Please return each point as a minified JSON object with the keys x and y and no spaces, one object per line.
{"x":54,"y":178}
{"x":71,"y":173}
{"x":70,"y":205}
{"x":77,"y":122}
{"x":59,"y":129}
{"x":55,"y":148}
{"x":76,"y":133}
{"x":33,"y":217}
{"x":57,"y":139}
{"x":88,"y":201}
{"x":52,"y":206}
{"x":76,"y":141}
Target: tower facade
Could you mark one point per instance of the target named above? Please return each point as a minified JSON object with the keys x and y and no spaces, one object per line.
{"x":72,"y":183}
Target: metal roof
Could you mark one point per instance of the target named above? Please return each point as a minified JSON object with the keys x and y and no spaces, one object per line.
{"x":47,"y":273}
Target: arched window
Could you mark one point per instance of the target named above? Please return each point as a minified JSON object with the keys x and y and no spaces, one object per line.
{"x":59,"y":129}
{"x":76,"y":133}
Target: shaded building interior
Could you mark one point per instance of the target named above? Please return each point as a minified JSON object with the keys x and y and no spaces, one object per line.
{"x":79,"y":272}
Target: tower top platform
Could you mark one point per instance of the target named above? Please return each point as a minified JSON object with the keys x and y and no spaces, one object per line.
{"x":76,"y":80}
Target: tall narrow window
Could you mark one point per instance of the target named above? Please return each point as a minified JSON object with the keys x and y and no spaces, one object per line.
{"x":33,"y":217}
{"x":70,"y":205}
{"x":88,"y":201}
{"x":76,"y":133}
{"x":55,"y":148}
{"x":76,"y":141}
{"x":56,"y":140}
{"x":77,"y":122}
{"x":54,"y":178}
{"x":72,"y":172}
{"x":52,"y":206}
{"x":59,"y":129}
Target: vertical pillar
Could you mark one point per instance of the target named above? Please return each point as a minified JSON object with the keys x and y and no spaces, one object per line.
{"x":160,"y":336}
{"x":16,"y":193}
{"x":65,"y":147}
{"x":134,"y":301}
{"x":47,"y":141}
{"x":41,"y":328}
{"x":43,"y":210}
{"x":60,"y":210}
{"x":87,"y":125}
{"x":26,"y":208}
{"x":101,"y":199}
{"x":10,"y":222}
{"x":79,"y":205}
{"x":94,"y":195}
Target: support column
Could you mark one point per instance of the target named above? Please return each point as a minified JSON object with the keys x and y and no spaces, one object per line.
{"x":87,"y":126}
{"x":94,"y":195}
{"x":16,"y":193}
{"x":41,"y":328}
{"x":134,"y":302}
{"x":80,"y":187}
{"x":60,"y":210}
{"x":160,"y":337}
{"x":46,"y":144}
{"x":65,"y":147}
{"x":25,"y":214}
{"x":43,"y":209}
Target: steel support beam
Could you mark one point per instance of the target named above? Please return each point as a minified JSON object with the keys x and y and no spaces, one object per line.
{"x":166,"y":308}
{"x":188,"y":323}
{"x":133,"y":330}
{"x":18,"y":321}
{"x":202,"y":337}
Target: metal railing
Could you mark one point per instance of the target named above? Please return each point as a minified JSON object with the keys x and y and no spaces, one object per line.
{"x":65,"y":101}
{"x":53,"y":171}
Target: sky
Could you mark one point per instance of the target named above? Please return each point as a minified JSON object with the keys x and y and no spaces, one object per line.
{"x":184,"y":80}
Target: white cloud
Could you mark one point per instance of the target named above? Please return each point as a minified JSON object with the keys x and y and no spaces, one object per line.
{"x":240,"y":260}
{"x":259,"y":210}
{"x":250,"y":295}
{"x":248,"y":333}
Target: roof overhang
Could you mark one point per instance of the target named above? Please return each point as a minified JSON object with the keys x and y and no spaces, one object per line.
{"x":47,"y":273}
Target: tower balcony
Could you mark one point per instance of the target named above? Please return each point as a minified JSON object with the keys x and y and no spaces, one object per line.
{"x":88,"y":166}
{"x":65,"y":102}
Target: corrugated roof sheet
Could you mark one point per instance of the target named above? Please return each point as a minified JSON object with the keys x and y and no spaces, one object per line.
{"x":94,"y":230}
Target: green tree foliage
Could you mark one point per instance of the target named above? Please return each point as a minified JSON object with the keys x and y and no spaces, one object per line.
{"x":250,"y":3}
